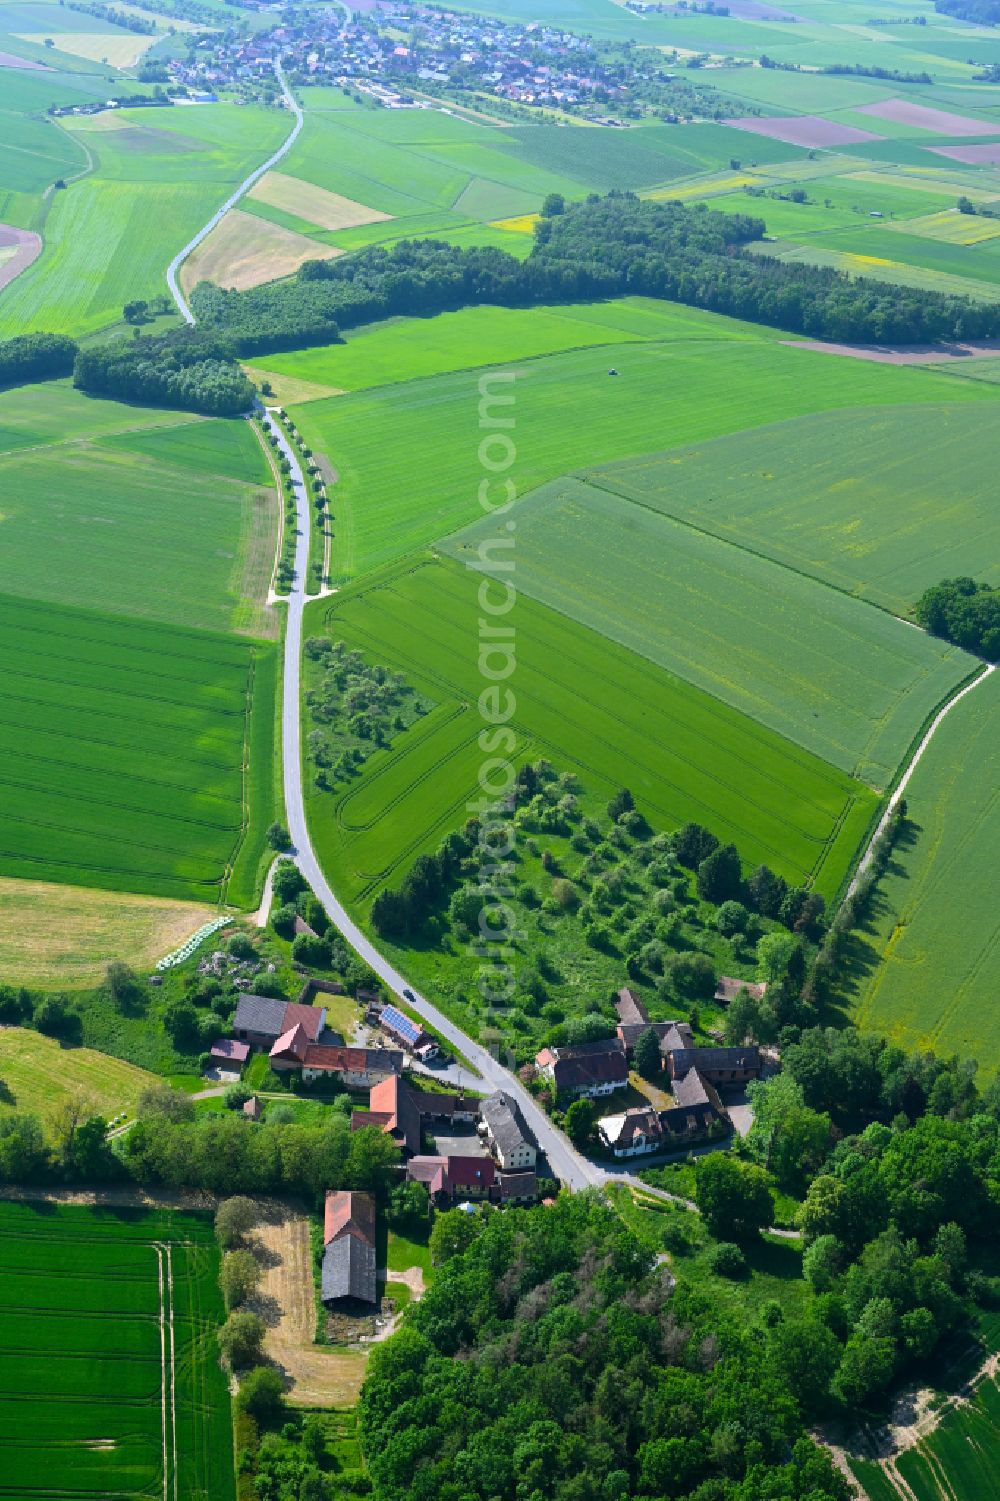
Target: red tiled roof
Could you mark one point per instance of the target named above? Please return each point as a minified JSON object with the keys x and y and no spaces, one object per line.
{"x":291,"y":1044}
{"x":310,"y":1018}
{"x":349,"y":1213}
{"x":230,"y":1048}
{"x":470,"y":1172}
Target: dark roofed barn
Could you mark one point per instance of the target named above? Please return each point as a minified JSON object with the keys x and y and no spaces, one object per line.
{"x":348,"y":1274}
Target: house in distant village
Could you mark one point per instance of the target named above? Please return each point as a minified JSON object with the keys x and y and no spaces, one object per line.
{"x":408,"y":1034}
{"x":358,"y":1068}
{"x":260,"y":1020}
{"x":504,"y":1128}
{"x":348,"y":1276}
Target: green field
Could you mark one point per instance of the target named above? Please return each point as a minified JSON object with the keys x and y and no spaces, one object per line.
{"x":109,"y":1375}
{"x":406,"y":349}
{"x":109,"y":235}
{"x":124,"y":746}
{"x":848,"y":682}
{"x":169,"y":518}
{"x":577,"y":694}
{"x":880,"y":502}
{"x":932,"y":952}
{"x":400,"y":487}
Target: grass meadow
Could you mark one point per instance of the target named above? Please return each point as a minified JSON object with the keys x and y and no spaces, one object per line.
{"x":110,"y":235}
{"x":847,"y":682}
{"x":109,"y":1375}
{"x":175,"y":523}
{"x":931,"y":954}
{"x":406,"y":349}
{"x":61,"y":936}
{"x":124,"y":747}
{"x":577,"y":697}
{"x":400,"y":488}
{"x":879,"y":503}
{"x":40,"y":1076}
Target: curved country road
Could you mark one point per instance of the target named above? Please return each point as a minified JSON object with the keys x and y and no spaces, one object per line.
{"x":563,"y":1159}
{"x":234,"y":198}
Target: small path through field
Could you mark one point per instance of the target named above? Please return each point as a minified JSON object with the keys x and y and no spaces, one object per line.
{"x":903,"y":783}
{"x":233,"y":199}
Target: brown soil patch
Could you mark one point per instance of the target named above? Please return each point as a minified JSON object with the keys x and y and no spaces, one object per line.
{"x":315,"y":205}
{"x":903,"y":354}
{"x":244,"y":250}
{"x":18,"y":248}
{"x":10,"y":60}
{"x":318,"y":1377}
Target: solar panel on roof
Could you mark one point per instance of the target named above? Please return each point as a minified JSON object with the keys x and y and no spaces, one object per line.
{"x":399,"y":1023}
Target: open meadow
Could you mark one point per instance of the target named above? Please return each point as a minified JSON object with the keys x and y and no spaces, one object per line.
{"x":109,"y":1375}
{"x":61,"y":936}
{"x":880,"y":503}
{"x":576,"y":706}
{"x":40,"y":1076}
{"x":111,"y":233}
{"x":171,"y":520}
{"x":848,"y":682}
{"x":931,"y":953}
{"x":400,"y":488}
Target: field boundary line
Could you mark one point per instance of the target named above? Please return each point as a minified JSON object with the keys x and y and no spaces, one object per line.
{"x":866,"y":859}
{"x":290,"y":103}
{"x":173,"y":1363}
{"x":158,"y":1250}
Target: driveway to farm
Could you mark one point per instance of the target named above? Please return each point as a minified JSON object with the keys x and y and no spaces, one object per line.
{"x":233,"y":199}
{"x":567,"y":1164}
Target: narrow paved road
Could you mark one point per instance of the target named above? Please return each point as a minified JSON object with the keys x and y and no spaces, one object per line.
{"x":565,"y":1162}
{"x":234,"y":198}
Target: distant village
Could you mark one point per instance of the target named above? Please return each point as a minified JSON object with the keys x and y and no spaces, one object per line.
{"x":408,"y":55}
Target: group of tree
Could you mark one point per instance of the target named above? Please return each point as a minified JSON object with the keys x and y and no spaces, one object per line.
{"x":979,"y":12}
{"x":720,"y":880}
{"x":31,"y":357}
{"x":183,"y":368}
{"x":963,"y":611}
{"x":411,"y":907}
{"x":602,"y":247}
{"x":549,"y":1358}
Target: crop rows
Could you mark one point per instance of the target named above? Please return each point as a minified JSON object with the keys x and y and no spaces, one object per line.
{"x":126,"y":745}
{"x":91,"y":1401}
{"x":685,"y":755}
{"x":838,"y":677}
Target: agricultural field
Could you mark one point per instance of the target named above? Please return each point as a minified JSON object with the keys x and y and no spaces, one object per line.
{"x":405,"y":349}
{"x":847,"y":682}
{"x":61,"y":936}
{"x":102,"y":502}
{"x":853,"y":498}
{"x":577,"y":693}
{"x":37,"y":1080}
{"x":245,"y":250}
{"x":401,"y":489}
{"x":124,"y":747}
{"x":111,"y":233}
{"x":136,"y":1403}
{"x":932,"y":950}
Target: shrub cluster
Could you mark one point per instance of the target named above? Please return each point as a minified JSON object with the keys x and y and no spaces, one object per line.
{"x":30,"y":357}
{"x":963,"y":611}
{"x":184,"y":368}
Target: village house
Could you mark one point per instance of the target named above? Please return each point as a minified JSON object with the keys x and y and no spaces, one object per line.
{"x":260,"y":1020}
{"x":590,"y":1069}
{"x":408,"y":1034}
{"x":349,"y":1273}
{"x":357,"y":1068}
{"x":504,"y":1128}
{"x":729,"y":988}
{"x":392,"y":1106}
{"x":466,"y":1179}
{"x":253,"y":1109}
{"x":696,"y":1109}
{"x":633,"y":1133}
{"x":226,"y":1053}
